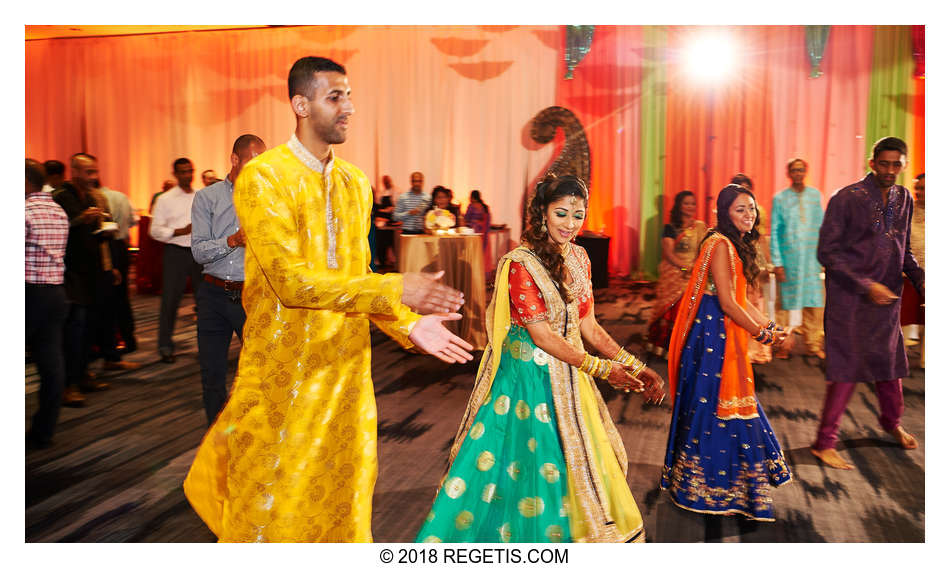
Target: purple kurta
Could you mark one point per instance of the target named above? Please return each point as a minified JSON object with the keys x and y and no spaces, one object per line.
{"x":861,"y":241}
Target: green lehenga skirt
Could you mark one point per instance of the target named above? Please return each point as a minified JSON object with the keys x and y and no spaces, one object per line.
{"x":508,"y":482}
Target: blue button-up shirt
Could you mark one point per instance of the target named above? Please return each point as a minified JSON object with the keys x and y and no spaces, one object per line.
{"x":213,"y":220}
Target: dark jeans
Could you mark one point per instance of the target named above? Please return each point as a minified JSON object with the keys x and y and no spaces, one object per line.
{"x":177,"y":266}
{"x":102,"y":318}
{"x":123,"y":307}
{"x":46,"y":311}
{"x":77,"y":344}
{"x":220,"y":314}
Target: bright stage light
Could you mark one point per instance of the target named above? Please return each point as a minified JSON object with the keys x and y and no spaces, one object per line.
{"x":710,"y":56}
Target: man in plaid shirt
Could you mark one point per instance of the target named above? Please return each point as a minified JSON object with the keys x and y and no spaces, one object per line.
{"x":47,"y":229}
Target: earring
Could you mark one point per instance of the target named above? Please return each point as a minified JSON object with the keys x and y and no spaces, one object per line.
{"x":544,"y":225}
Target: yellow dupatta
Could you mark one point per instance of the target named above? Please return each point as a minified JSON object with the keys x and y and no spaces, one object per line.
{"x":736,"y":386}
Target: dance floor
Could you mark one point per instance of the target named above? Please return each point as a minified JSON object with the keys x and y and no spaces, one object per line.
{"x":115,"y":470}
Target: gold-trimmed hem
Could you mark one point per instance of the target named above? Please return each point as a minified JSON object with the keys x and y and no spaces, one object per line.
{"x":728,"y":512}
{"x":638,"y":534}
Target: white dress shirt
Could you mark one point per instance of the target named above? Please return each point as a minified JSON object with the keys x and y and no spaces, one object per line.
{"x":172,"y":211}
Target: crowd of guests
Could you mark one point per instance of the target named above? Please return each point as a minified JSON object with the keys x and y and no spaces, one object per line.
{"x":77,"y":277}
{"x":416,"y":212}
{"x":80,"y":268}
{"x":77,"y":296}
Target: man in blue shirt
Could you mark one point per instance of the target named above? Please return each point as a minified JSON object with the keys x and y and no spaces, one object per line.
{"x":217,"y":243}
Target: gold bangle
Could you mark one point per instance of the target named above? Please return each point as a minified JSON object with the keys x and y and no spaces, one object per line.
{"x":625,"y":358}
{"x":638,"y":368}
{"x":595,"y":366}
{"x":621,"y":355}
{"x":585,"y":365}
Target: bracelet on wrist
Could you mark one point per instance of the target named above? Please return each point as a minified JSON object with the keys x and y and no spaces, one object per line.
{"x":595,"y":366}
{"x":625,"y":358}
{"x":765,"y":336}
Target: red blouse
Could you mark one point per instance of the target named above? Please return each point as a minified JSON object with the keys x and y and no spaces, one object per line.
{"x":527,"y":303}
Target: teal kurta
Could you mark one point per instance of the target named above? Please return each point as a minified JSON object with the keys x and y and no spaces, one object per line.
{"x":796,"y":220}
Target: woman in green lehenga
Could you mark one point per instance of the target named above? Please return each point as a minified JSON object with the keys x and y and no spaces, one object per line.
{"x":537,"y":457}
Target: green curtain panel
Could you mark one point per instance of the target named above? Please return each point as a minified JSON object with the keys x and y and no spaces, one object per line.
{"x":889,"y":95}
{"x":652,"y":144}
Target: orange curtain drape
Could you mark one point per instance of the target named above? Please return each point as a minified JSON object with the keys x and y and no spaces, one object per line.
{"x":825,"y":118}
{"x":605,"y":96}
{"x":716,"y":128}
{"x":767,"y":110}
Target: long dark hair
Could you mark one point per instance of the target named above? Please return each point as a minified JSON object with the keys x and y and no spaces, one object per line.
{"x":676,"y":214}
{"x":443,"y":190}
{"x":476,"y":197}
{"x":549,"y":190}
{"x":745,"y":244}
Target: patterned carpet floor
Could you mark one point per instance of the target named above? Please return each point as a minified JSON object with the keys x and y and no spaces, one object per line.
{"x":115,"y":470}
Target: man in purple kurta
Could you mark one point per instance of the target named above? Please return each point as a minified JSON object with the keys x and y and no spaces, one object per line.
{"x":864,"y":245}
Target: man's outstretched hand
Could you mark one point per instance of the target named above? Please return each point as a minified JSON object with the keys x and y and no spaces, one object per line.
{"x":422,"y":293}
{"x":432,"y":337}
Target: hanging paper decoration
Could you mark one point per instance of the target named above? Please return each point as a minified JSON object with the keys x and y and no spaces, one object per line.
{"x":917,"y":39}
{"x":576,"y":45}
{"x":816,"y":39}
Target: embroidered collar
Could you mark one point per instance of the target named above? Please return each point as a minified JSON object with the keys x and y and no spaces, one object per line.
{"x":884,"y":215}
{"x":307,"y":157}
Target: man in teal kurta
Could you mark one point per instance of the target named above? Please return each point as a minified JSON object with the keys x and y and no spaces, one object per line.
{"x":796,"y":220}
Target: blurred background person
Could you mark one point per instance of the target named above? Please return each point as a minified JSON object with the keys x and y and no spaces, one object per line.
{"x":125,"y":218}
{"x":912,"y":305}
{"x":439,"y":214}
{"x":113,"y":311}
{"x":55,"y":175}
{"x":796,"y":220}
{"x":411,"y":206}
{"x":208,"y":177}
{"x":171,"y":224}
{"x":478,"y":218}
{"x":680,"y":245}
{"x":382,"y":241}
{"x":45,"y":307}
{"x":88,"y":267}
{"x":383,"y":202}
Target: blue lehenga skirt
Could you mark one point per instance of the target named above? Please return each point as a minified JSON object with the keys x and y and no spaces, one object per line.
{"x":717,"y":466}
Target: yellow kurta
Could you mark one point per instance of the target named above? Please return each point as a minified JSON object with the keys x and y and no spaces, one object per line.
{"x":292,"y":456}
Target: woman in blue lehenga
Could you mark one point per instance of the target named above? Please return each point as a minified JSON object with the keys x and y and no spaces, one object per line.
{"x":722,"y":456}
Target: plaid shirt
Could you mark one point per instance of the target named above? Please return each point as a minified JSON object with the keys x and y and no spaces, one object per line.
{"x":47,"y":229}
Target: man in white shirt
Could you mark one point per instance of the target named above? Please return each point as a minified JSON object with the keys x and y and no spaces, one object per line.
{"x":171,"y":224}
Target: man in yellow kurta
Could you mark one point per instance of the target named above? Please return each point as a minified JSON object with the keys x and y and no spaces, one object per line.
{"x":292,"y":456}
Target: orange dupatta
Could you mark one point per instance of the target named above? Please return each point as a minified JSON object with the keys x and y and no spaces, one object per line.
{"x":736,"y":387}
